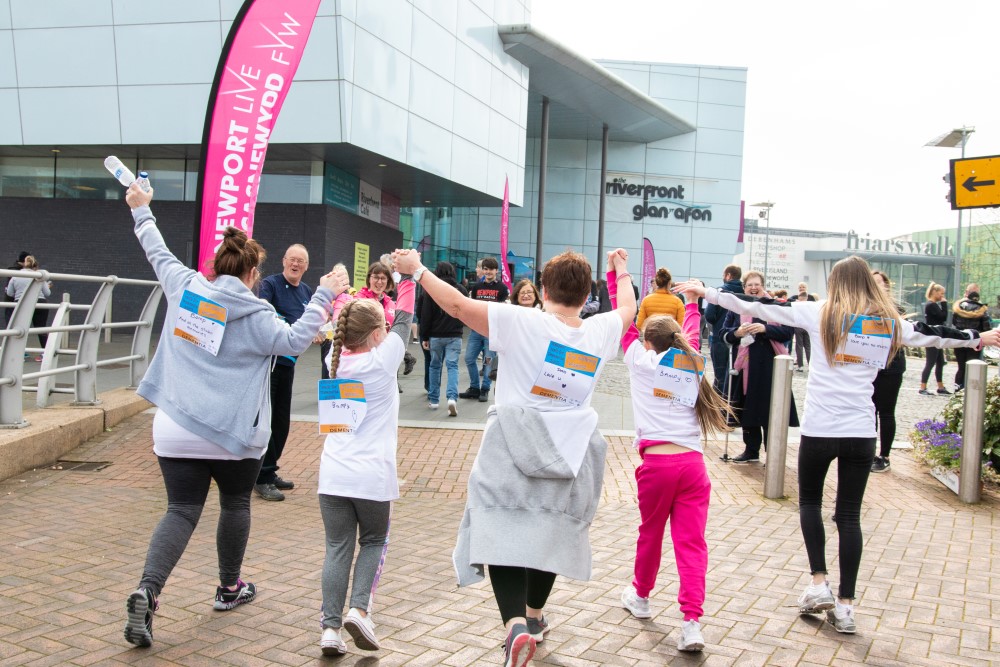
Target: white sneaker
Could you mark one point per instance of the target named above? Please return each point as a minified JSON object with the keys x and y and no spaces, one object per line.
{"x":841,"y":617}
{"x":816,"y":598}
{"x":691,"y":639}
{"x":331,"y":643}
{"x":362,"y":629}
{"x":433,"y":406}
{"x":452,"y":408}
{"x":635,"y":604}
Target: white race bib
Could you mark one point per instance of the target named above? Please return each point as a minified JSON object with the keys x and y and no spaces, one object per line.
{"x":868,"y":342}
{"x":677,"y":377}
{"x":342,"y":405}
{"x":201,"y":322}
{"x":567,"y":374}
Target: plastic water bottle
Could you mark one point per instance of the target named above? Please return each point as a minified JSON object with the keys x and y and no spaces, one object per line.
{"x":119,"y":170}
{"x":143,"y":181}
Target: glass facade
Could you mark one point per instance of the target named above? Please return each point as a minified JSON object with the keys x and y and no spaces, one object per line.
{"x":443,"y":234}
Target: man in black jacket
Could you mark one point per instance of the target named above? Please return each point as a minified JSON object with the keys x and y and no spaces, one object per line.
{"x":442,"y":335}
{"x":716,"y":315}
{"x":968,"y":313}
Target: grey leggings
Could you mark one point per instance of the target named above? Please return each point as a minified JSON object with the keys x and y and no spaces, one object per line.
{"x":187,"y":482}
{"x":344,"y":518}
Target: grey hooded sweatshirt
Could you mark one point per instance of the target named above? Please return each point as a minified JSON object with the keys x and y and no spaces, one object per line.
{"x":524,"y":507}
{"x":225,"y":399}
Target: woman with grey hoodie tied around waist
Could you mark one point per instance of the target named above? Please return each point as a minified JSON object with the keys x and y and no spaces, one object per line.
{"x":209,"y":380}
{"x":534,"y":487}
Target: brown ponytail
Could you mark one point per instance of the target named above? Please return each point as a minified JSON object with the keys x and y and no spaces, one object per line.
{"x":662,"y":332}
{"x":357,"y":320}
{"x":237,"y":254}
{"x":663,"y":278}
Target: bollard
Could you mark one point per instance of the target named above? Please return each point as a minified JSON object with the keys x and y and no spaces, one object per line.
{"x":972,"y":431}
{"x":777,"y":430}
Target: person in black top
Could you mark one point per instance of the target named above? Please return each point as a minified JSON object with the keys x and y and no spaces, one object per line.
{"x":968,"y":313}
{"x":935,"y":314}
{"x":885,"y":392}
{"x":491,"y":290}
{"x":289,"y":296}
{"x":442,"y":335}
{"x":716,"y":316}
{"x":5,"y":313}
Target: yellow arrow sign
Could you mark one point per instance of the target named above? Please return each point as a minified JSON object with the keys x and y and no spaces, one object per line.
{"x":975,"y":182}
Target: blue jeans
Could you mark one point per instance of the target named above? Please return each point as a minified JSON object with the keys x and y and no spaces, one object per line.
{"x":444,"y":350}
{"x":478,"y":343}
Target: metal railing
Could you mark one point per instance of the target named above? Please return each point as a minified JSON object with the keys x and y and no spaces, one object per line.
{"x":14,"y":342}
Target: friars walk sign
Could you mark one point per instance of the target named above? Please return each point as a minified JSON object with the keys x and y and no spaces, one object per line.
{"x":941,"y":247}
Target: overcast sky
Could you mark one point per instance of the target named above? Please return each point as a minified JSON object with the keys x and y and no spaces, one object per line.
{"x":841,"y":97}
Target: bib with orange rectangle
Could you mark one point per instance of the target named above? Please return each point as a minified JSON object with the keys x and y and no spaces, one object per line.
{"x":201,"y":322}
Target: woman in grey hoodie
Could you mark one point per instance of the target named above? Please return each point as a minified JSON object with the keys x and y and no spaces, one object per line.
{"x":209,"y":379}
{"x":534,"y":487}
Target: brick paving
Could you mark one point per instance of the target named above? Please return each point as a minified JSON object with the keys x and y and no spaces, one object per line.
{"x":74,"y":543}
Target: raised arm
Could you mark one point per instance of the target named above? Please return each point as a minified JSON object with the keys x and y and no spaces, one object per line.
{"x":169,"y":270}
{"x":404,"y":308}
{"x":631,"y":334}
{"x":472,"y":314}
{"x":618,"y":262}
{"x":765,"y":309}
{"x":918,"y":334}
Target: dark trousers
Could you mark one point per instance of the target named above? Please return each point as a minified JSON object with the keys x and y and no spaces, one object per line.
{"x":854,"y":464}
{"x":962,"y":355}
{"x":885,"y":392}
{"x":802,"y":343}
{"x":720,"y":363}
{"x":517,"y":587}
{"x":753,"y":438}
{"x":427,"y":368}
{"x":324,"y":350}
{"x":187,"y":482}
{"x":935,"y":359}
{"x":40,"y":318}
{"x":282,"y":378}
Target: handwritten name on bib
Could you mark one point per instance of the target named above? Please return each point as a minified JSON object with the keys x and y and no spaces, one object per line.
{"x":677,"y":377}
{"x":342,"y":405}
{"x":567,"y":375}
{"x":868,"y":341}
{"x":201,"y":322}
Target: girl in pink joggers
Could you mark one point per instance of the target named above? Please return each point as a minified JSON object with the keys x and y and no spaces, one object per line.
{"x":672,"y":480}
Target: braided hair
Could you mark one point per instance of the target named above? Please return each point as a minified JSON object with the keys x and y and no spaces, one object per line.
{"x":358,"y":319}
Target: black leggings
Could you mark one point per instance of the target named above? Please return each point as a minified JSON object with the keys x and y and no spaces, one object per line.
{"x":187,"y":482}
{"x":962,"y":355}
{"x":854,"y":464}
{"x":935,"y":359}
{"x":886,"y":391}
{"x":518,"y":587}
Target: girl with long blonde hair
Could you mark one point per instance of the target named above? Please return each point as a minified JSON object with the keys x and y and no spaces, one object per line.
{"x":839,"y":422}
{"x":672,"y":479}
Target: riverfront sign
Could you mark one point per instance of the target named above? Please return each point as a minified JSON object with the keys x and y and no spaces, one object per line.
{"x":974,"y":182}
{"x":652,"y":197}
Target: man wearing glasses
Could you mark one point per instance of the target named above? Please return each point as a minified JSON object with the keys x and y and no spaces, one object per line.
{"x":289,"y":296}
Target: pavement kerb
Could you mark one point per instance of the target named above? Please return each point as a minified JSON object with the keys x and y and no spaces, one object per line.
{"x":53,"y":432}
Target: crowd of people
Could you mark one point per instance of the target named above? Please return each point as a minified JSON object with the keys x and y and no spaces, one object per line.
{"x":536,"y":481}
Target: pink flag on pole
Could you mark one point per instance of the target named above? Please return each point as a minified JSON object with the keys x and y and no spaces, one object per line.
{"x":504,"y":218}
{"x":648,"y":267}
{"x":255,"y":71}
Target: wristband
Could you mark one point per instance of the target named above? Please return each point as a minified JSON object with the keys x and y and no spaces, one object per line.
{"x":622,"y":275}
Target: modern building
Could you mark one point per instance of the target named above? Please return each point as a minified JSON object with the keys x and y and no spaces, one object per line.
{"x":787,"y":257}
{"x":422,"y":107}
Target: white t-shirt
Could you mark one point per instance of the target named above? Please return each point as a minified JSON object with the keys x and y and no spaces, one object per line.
{"x":838,"y":398}
{"x":657,"y":418}
{"x":173,"y":441}
{"x":523,"y":337}
{"x":363,"y":464}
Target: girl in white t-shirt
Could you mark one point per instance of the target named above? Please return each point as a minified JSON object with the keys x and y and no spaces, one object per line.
{"x":838,"y":422}
{"x":672,"y":480}
{"x":357,"y":474}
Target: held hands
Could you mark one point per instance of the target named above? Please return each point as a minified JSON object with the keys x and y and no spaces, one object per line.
{"x":689,"y":287}
{"x":991,"y":337}
{"x":618,"y":261}
{"x":751,"y":329}
{"x":136,"y":196}
{"x":336,"y":281}
{"x":406,"y":261}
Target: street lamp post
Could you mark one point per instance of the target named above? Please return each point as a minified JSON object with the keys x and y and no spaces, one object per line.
{"x":957,"y":137}
{"x":766,"y":214}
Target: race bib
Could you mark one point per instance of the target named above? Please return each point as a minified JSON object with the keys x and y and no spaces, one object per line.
{"x":201,"y":322}
{"x":868,"y":342}
{"x":677,"y":377}
{"x":342,"y":405}
{"x":567,"y":375}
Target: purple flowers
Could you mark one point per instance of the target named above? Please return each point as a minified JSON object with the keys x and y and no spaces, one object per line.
{"x":941,"y":446}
